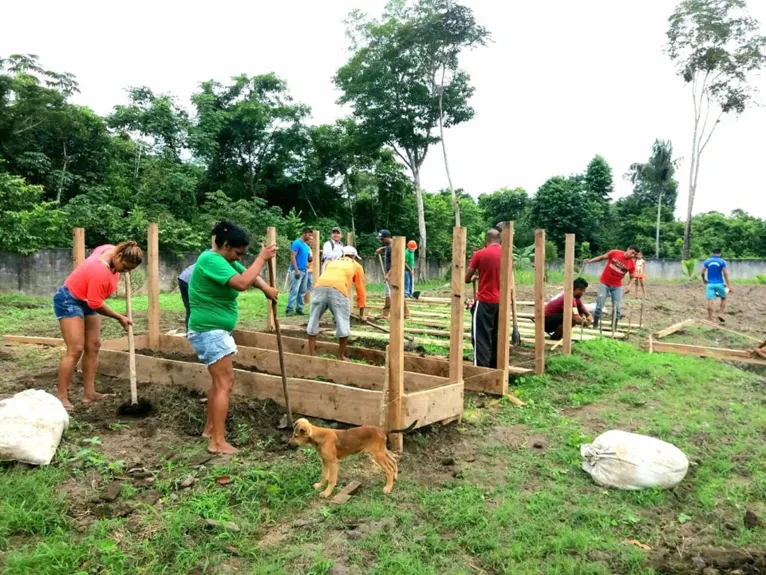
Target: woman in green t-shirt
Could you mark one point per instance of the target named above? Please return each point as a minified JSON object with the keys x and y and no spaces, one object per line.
{"x":214,"y":287}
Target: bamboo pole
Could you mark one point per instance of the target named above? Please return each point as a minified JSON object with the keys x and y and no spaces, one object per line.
{"x":396,"y":344}
{"x":458,"y":299}
{"x":153,"y":281}
{"x":568,"y":293}
{"x":539,"y":302}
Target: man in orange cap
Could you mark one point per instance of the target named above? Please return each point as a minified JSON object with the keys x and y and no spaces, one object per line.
{"x":409,"y":268}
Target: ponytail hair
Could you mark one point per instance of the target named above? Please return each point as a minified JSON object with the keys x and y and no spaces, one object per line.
{"x":129,"y":253}
{"x":230,"y":233}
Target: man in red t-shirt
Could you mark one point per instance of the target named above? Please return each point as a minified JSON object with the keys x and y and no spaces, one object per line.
{"x":485,"y":309}
{"x":554,"y":310}
{"x":619,"y":264}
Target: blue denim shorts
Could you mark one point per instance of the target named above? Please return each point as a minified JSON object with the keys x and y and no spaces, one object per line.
{"x":66,"y":305}
{"x":211,"y":346}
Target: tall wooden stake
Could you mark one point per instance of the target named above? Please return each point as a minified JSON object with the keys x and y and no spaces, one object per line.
{"x":350,"y":239}
{"x":539,"y":302}
{"x":316,"y":267}
{"x":568,"y":291}
{"x":396,"y":344}
{"x":153,"y":281}
{"x":78,"y":247}
{"x":458,"y":299}
{"x":271,"y":239}
{"x":504,"y":309}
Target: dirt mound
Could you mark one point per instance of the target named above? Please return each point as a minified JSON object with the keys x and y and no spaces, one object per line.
{"x":709,"y":561}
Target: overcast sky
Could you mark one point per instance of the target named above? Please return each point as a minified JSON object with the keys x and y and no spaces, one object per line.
{"x":562,"y":81}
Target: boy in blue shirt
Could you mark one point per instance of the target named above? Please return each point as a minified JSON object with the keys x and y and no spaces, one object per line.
{"x":299,"y":263}
{"x":716,"y":276}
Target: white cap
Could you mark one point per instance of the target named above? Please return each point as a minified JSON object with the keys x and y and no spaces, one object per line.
{"x":350,"y":251}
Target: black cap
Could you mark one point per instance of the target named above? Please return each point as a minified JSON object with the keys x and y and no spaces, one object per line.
{"x":384,"y":234}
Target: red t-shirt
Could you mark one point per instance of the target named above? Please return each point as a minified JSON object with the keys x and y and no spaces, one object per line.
{"x":93,"y":281}
{"x":616,"y":267}
{"x":556,"y":305}
{"x":487,"y":261}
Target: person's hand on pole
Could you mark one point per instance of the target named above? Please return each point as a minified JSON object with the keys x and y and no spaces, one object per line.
{"x":125,"y":321}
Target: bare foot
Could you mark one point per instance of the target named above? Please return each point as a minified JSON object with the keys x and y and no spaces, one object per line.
{"x":342,"y":358}
{"x":66,"y":403}
{"x":222,"y":447}
{"x":87,"y":400}
{"x":207,"y":434}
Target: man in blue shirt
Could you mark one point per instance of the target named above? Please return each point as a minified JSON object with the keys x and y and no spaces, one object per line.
{"x":716,"y":276}
{"x":299,"y":263}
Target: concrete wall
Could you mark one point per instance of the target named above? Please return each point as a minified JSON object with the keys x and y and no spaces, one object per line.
{"x":42,"y":273}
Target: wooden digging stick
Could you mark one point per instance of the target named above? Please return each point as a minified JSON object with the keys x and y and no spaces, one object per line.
{"x":641,"y":314}
{"x":278,"y":331}
{"x":378,"y":327}
{"x":131,"y":341}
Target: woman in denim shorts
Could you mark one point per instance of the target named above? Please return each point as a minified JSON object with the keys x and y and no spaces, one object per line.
{"x":215,"y":284}
{"x":79,"y":305}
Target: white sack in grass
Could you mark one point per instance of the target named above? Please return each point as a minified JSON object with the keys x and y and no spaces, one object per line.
{"x":31,"y":425}
{"x":632,"y":461}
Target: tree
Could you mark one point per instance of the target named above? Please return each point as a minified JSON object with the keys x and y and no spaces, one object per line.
{"x":393,"y":93}
{"x":442,"y":30}
{"x":716,"y":48}
{"x":653,"y":183}
{"x":503,"y":205}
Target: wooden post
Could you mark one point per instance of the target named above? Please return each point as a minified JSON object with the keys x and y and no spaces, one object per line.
{"x":504,"y":311}
{"x":568,"y":290}
{"x":458,"y":299}
{"x":539,"y":302}
{"x":153,"y":283}
{"x":350,"y":239}
{"x":316,"y":252}
{"x":271,"y":239}
{"x":78,"y":247}
{"x":396,"y":344}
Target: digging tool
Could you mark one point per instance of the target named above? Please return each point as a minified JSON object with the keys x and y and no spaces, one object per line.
{"x":379,"y":327}
{"x":136,"y":407}
{"x":382,"y":267}
{"x":641,"y":314}
{"x":515,"y":335}
{"x":278,"y":331}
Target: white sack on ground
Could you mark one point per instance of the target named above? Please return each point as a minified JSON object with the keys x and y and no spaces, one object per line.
{"x":31,"y":425}
{"x":632,"y":461}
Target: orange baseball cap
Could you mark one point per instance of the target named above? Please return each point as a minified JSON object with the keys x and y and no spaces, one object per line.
{"x":412,"y":245}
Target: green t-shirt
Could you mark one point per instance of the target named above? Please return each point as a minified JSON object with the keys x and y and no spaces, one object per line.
{"x":409,"y":258}
{"x":213,"y":303}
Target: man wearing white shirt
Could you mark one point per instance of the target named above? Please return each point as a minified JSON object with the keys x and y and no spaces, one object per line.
{"x":333,"y":248}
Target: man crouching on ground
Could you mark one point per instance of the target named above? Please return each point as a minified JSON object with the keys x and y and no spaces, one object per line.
{"x":333,"y":291}
{"x":554,"y":311}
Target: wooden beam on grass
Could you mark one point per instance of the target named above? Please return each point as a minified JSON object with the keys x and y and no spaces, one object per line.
{"x":739,"y":355}
{"x":458,"y":304}
{"x":504,"y":309}
{"x":539,"y":302}
{"x":50,"y":341}
{"x":271,"y":239}
{"x":153,"y":285}
{"x":396,"y":345}
{"x":78,"y":247}
{"x":569,"y":253}
{"x":674,"y":328}
{"x":311,"y":398}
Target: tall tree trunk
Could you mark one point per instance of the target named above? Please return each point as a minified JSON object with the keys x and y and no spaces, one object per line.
{"x":422,"y":271}
{"x":657,"y":238}
{"x":455,"y":203}
{"x":63,"y":174}
{"x":692,"y":181}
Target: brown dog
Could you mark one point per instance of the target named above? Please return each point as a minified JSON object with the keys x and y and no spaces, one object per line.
{"x":332,"y":445}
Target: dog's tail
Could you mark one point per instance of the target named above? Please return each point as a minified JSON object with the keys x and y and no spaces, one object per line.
{"x":410,"y":428}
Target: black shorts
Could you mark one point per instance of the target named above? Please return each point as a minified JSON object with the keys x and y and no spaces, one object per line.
{"x":553,"y":322}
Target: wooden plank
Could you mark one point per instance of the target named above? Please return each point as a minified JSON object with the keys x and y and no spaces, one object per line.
{"x":121,"y":344}
{"x":457,"y":329}
{"x":271,"y":239}
{"x":345,"y":494}
{"x":539,"y":302}
{"x":569,"y":253}
{"x":396,"y":345}
{"x":311,"y":367}
{"x":433,"y":405}
{"x":78,"y":247}
{"x":350,"y":239}
{"x":311,"y":398}
{"x":504,"y":309}
{"x":51,"y":341}
{"x":674,"y":328}
{"x":153,"y":285}
{"x":412,"y":362}
{"x":489,"y":380}
{"x":701,"y":351}
{"x":316,"y":252}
